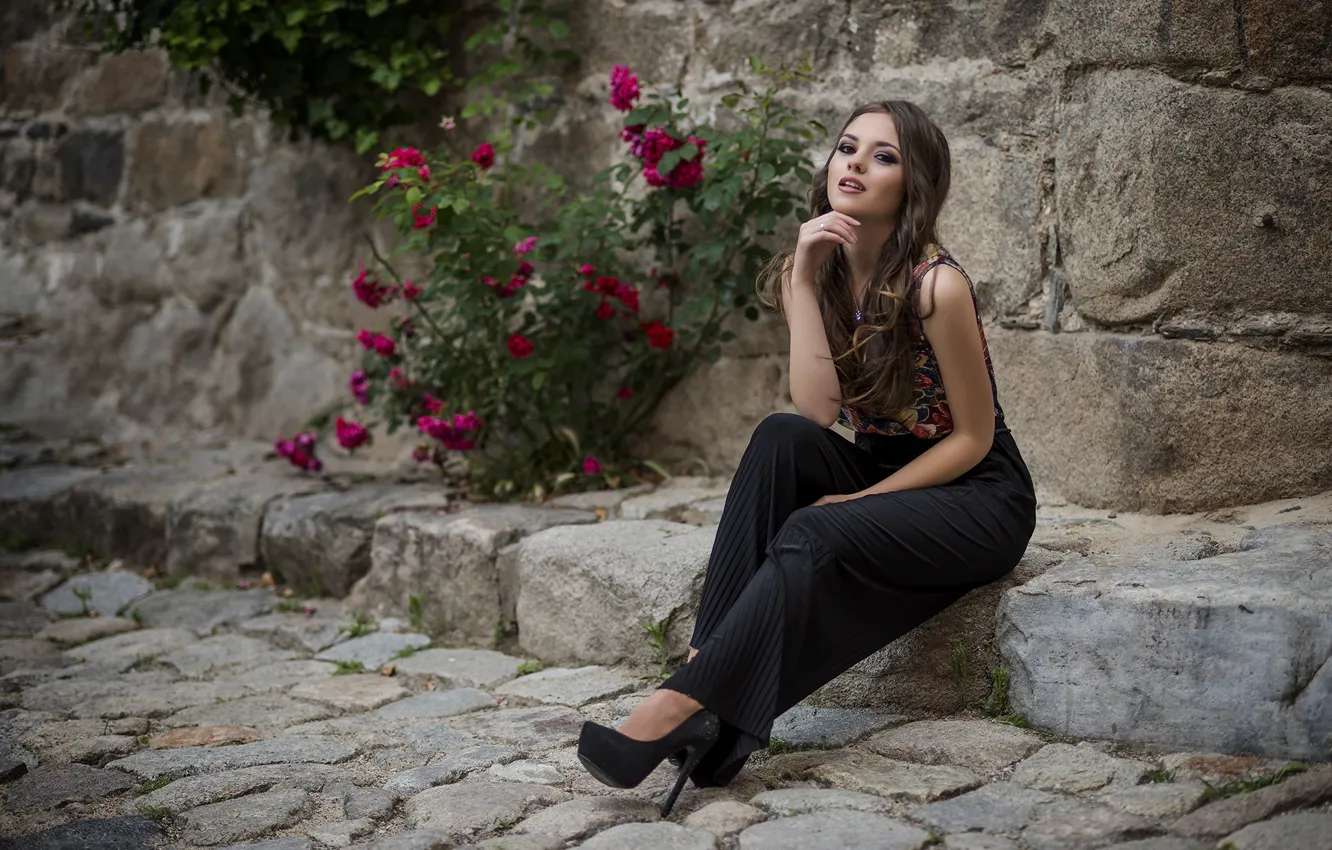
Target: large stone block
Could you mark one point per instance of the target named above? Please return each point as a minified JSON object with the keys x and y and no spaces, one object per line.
{"x":127,"y":82}
{"x":91,"y":165}
{"x":30,"y":500}
{"x":35,"y":75}
{"x":178,"y":163}
{"x":1192,"y":33}
{"x":691,"y":424}
{"x":943,"y":665}
{"x":584,"y":590}
{"x":1181,"y":199}
{"x":213,"y":531}
{"x":321,"y":544}
{"x":1289,"y":38}
{"x":1144,"y":423}
{"x":1230,"y":653}
{"x":448,"y":562}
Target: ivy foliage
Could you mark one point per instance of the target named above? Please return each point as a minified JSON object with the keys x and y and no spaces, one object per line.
{"x":333,"y":69}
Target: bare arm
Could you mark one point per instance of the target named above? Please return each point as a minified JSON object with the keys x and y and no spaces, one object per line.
{"x":815,"y":389}
{"x":953,"y":334}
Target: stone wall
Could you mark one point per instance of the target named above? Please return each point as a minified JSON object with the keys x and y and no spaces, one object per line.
{"x":1142,"y":193}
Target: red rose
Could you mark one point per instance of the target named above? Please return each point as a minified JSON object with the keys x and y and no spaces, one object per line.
{"x":519,"y":346}
{"x":659,"y":336}
{"x":605,"y":310}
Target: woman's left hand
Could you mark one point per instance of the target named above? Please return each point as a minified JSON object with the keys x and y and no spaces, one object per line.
{"x":835,"y":498}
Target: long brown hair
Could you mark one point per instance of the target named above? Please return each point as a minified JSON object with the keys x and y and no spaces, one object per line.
{"x":874,"y":361}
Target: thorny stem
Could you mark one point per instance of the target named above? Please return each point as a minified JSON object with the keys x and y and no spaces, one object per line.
{"x":439,"y":332}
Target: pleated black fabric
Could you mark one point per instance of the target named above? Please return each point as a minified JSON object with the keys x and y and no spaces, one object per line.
{"x":794,"y":594}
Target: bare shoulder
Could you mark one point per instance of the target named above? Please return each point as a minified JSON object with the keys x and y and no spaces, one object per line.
{"x":945,"y":290}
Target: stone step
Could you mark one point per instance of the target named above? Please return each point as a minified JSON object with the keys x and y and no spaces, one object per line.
{"x":1230,"y":653}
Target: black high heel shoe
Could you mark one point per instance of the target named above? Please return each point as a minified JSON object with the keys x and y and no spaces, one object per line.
{"x":619,"y":761}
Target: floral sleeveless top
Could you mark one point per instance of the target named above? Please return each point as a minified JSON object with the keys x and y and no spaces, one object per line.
{"x":928,"y":417}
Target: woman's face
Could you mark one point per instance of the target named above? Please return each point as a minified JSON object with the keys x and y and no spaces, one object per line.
{"x":869,"y":153}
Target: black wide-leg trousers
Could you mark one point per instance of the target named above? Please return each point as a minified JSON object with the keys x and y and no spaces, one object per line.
{"x":795,"y":594}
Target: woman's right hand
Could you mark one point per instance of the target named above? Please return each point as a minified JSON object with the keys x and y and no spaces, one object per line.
{"x":816,"y":240}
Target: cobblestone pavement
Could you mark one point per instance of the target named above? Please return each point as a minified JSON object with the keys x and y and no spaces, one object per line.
{"x":200,"y":718}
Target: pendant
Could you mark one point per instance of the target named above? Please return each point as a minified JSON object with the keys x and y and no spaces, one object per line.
{"x":857,"y":315}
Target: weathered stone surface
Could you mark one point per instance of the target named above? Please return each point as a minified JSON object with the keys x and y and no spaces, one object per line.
{"x":351,"y":693}
{"x":288,"y":843}
{"x":1205,"y":616}
{"x":458,"y":668}
{"x":564,"y":686}
{"x":438,"y":704}
{"x":78,"y":630}
{"x":467,"y":809}
{"x":191,"y":761}
{"x":233,"y":653}
{"x":29,"y":498}
{"x":585,"y":589}
{"x":125,"y":650}
{"x":101,"y":749}
{"x":916,"y":670}
{"x":133,"y":832}
{"x":294,"y":631}
{"x":342,"y":834}
{"x":516,"y":842}
{"x":28,"y":654}
{"x":373,"y":650}
{"x":448,"y":561}
{"x":669,"y":502}
{"x":666,"y":836}
{"x":55,"y":785}
{"x":213,"y":531}
{"x":202,"y":736}
{"x":367,"y":803}
{"x":450,"y":769}
{"x":140,"y":694}
{"x":978,"y":841}
{"x":724,"y":818}
{"x":1233,"y":814}
{"x":1172,"y":33}
{"x":1201,"y":451}
{"x":600,"y":500}
{"x":526,"y":770}
{"x":26,"y":585}
{"x":803,"y":726}
{"x":1288,"y":40}
{"x":1311,"y":830}
{"x":1159,"y":800}
{"x":785,"y":802}
{"x":132,"y":81}
{"x":1073,"y":825}
{"x":976,"y":744}
{"x":892,"y":779}
{"x":321,"y":544}
{"x":194,"y":791}
{"x":833,"y":829}
{"x":238,"y":820}
{"x":1075,"y":770}
{"x":412,"y":839}
{"x":1219,"y":768}
{"x":50,"y":738}
{"x":999,"y":807}
{"x":202,"y":156}
{"x":202,"y":610}
{"x":91,"y":163}
{"x":529,"y":728}
{"x":269,"y":714}
{"x":1156,"y":179}
{"x":22,"y":619}
{"x":580,"y":818}
{"x":107,"y":593}
{"x":283,"y":674}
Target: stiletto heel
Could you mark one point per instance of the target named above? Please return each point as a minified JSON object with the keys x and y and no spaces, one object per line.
{"x":622,"y":762}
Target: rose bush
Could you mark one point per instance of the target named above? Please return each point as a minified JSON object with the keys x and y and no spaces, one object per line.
{"x":544,"y":333}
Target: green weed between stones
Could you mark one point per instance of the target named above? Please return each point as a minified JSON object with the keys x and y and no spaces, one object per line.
{"x":501,"y":632}
{"x":84,"y":595}
{"x":361,"y":625}
{"x":288,"y":606}
{"x":157,"y":813}
{"x":17,"y":543}
{"x":960,"y":659}
{"x":530,"y":666}
{"x":170,"y":582}
{"x":933,"y":838}
{"x":143,"y":739}
{"x":657,"y":638}
{"x":347,"y":668}
{"x":1244,"y":786}
{"x":416,"y":611}
{"x":153,"y":785}
{"x":406,"y":652}
{"x":137,"y":616}
{"x":778,"y":747}
{"x":1157,"y":777}
{"x":996,"y":704}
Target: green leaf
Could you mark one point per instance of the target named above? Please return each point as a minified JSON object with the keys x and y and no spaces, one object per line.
{"x":375,"y":8}
{"x":558,"y":30}
{"x":413,"y":196}
{"x":538,"y":380}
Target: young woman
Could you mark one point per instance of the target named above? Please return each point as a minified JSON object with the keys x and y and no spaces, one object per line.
{"x":827,"y":549}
